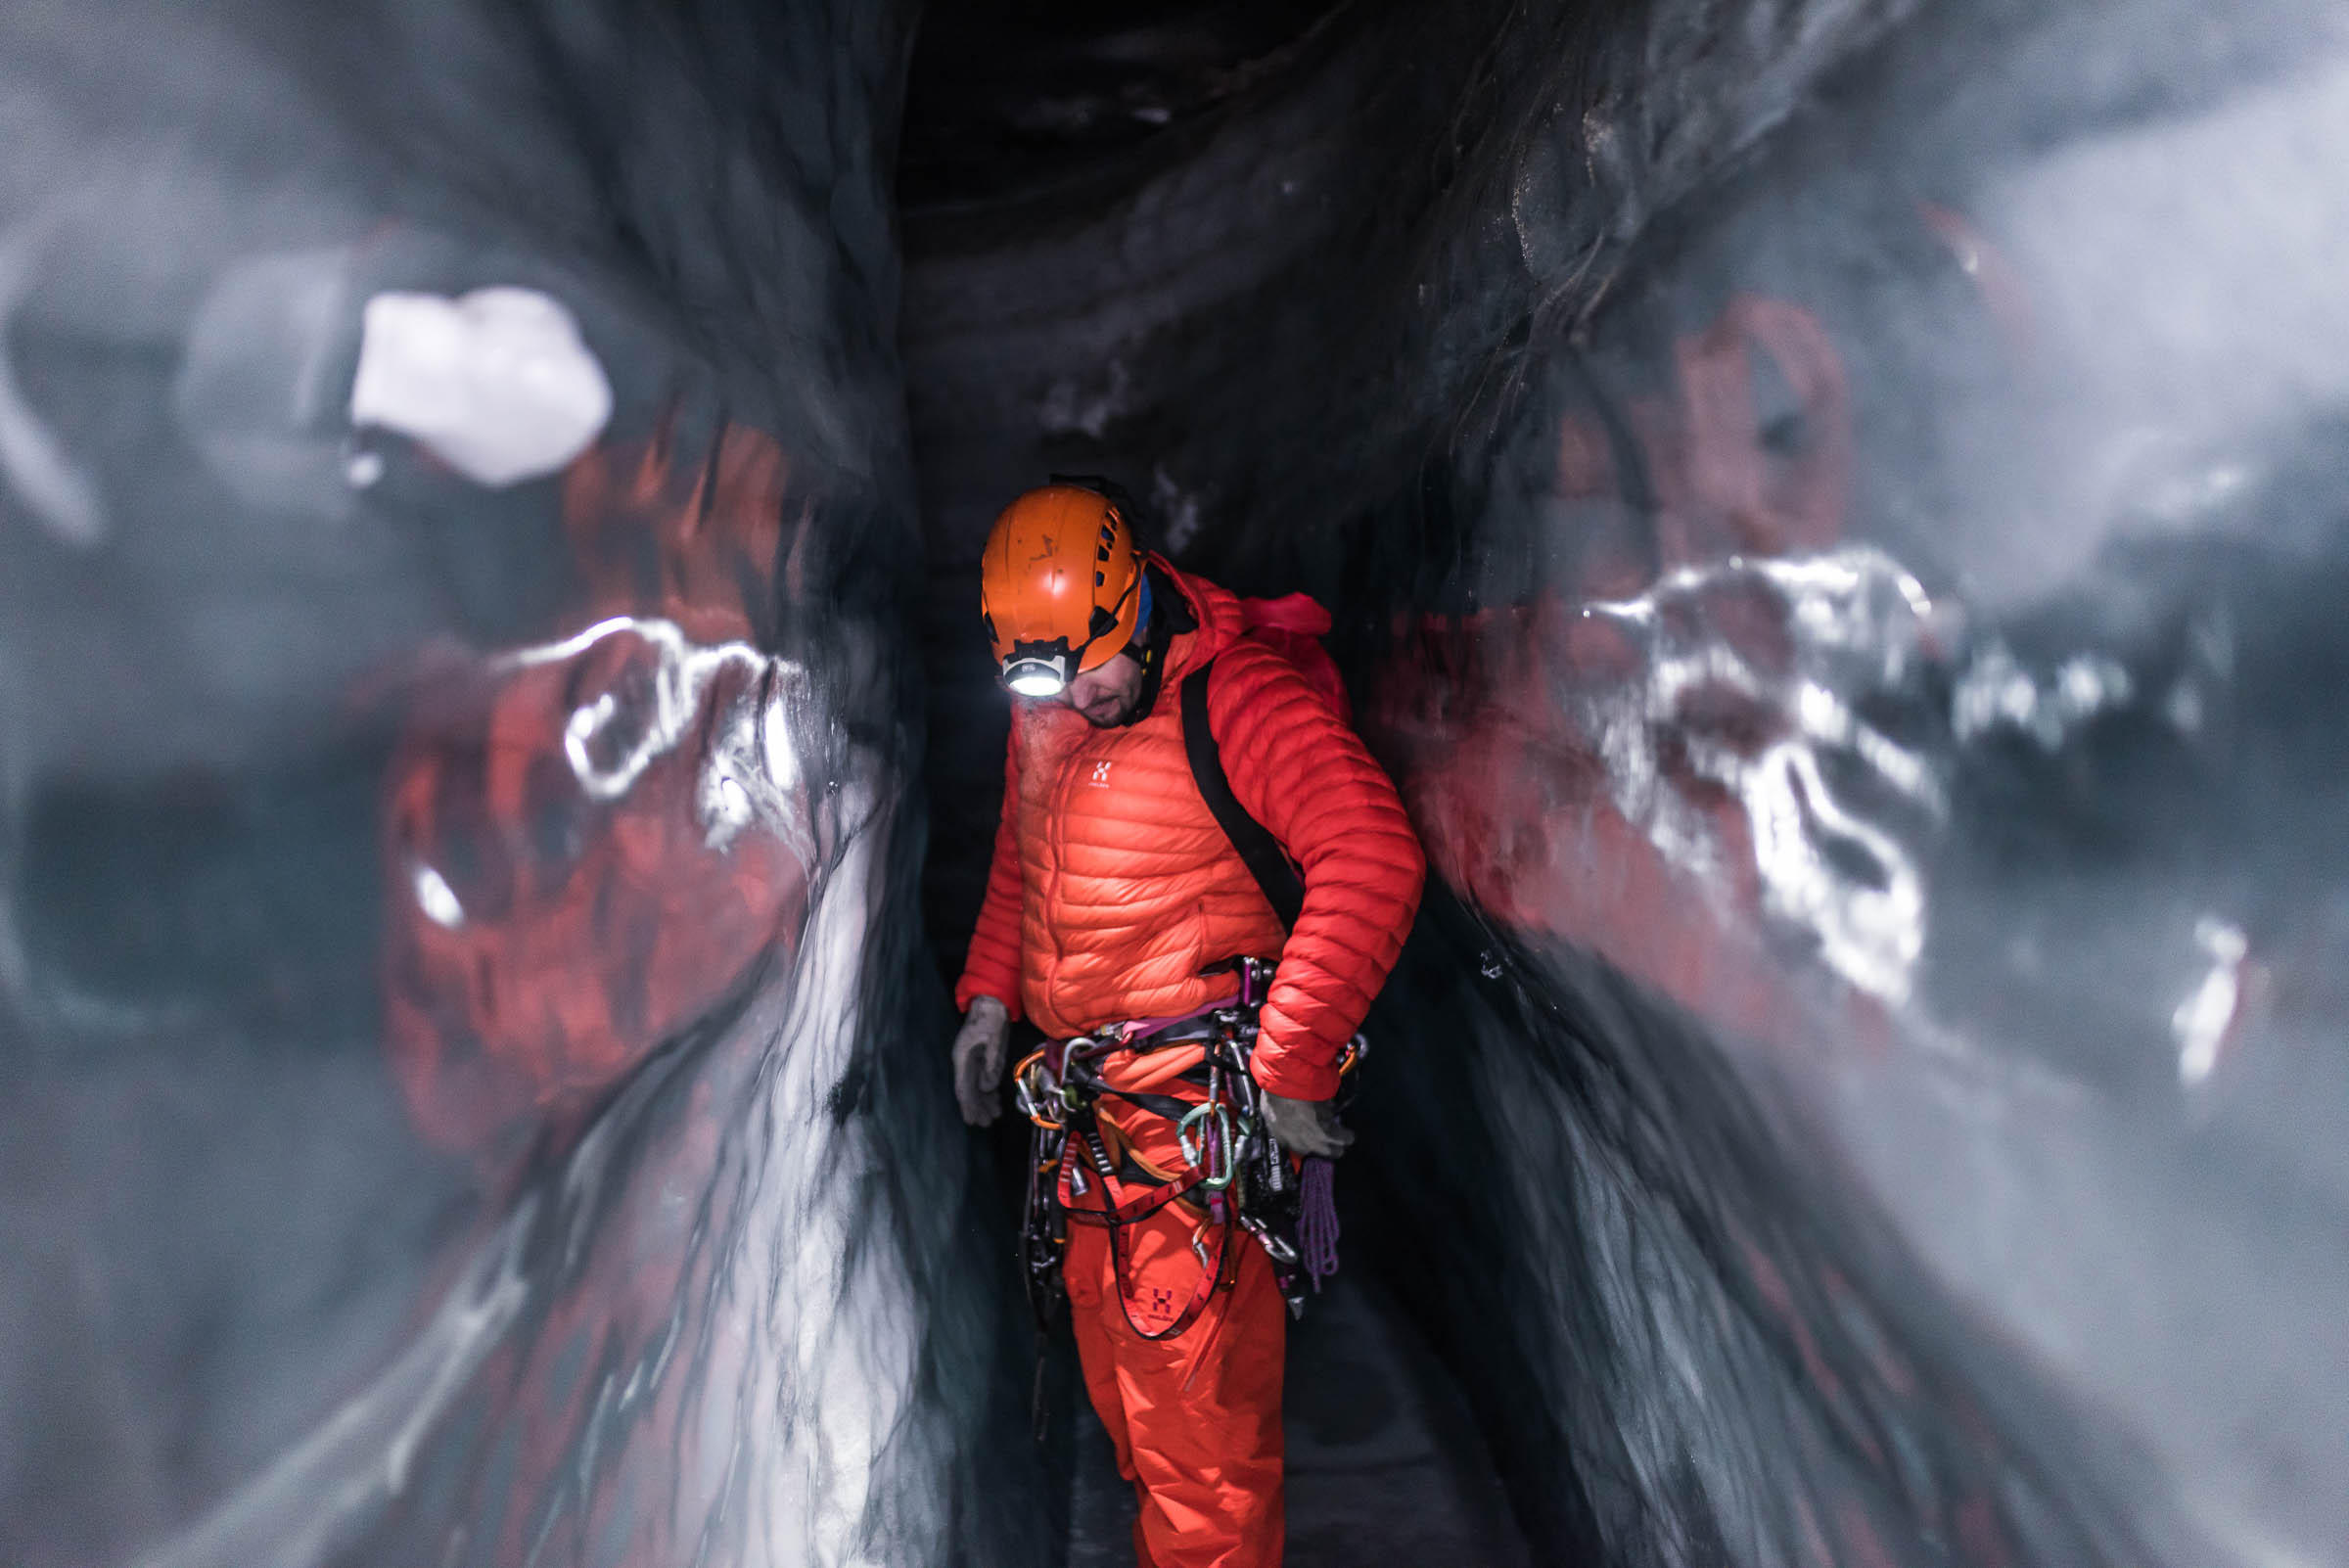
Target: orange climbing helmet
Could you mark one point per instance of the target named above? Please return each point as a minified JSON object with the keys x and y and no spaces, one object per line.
{"x":1060,"y":587}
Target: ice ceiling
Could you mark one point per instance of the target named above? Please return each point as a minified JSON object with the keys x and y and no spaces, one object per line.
{"x":1837,"y":517}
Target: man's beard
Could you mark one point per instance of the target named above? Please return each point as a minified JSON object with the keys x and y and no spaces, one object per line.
{"x":1115,"y":718}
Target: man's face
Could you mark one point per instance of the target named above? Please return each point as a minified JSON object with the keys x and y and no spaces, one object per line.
{"x":1107,"y":696}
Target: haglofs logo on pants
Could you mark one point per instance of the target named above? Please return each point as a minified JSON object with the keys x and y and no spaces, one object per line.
{"x":1100,"y":778}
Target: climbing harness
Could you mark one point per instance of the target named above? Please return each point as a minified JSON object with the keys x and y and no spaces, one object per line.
{"x":1235,"y":1175}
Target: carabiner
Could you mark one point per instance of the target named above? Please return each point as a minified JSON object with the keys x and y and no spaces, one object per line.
{"x":1029,"y":1097}
{"x":1219,"y":1173}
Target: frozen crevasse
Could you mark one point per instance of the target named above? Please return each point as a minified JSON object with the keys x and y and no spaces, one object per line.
{"x":1835,"y":515}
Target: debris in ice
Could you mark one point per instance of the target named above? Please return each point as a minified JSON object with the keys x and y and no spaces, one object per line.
{"x":2202,"y":1020}
{"x":496,"y":384}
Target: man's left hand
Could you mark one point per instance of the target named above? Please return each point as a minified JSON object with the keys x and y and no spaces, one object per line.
{"x":1306,"y":1127}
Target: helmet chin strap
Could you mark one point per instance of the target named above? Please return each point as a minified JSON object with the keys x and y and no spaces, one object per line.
{"x":1159,"y":620}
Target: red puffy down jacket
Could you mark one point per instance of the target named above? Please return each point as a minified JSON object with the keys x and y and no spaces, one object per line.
{"x":1113,"y":884}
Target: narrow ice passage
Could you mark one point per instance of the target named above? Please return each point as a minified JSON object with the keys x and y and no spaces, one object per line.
{"x":1837,"y":522}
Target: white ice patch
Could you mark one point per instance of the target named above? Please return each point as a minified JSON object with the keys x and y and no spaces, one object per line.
{"x":497,"y":384}
{"x":437,"y":900}
{"x":2202,"y":1020}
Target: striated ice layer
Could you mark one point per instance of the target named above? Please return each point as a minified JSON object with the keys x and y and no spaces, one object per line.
{"x":466,"y":1087}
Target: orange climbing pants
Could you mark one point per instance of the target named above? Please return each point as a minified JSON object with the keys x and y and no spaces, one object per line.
{"x":1195,"y":1418}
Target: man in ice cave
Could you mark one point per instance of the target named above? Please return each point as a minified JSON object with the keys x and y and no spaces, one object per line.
{"x":1185,"y":805}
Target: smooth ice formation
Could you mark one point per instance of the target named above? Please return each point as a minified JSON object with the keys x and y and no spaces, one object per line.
{"x":497,"y":384}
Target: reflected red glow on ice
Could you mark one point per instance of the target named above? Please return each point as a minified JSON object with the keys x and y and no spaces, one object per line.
{"x":543,"y":936}
{"x":1509,"y":723}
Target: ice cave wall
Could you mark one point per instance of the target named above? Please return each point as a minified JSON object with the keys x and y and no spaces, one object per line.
{"x":1835,"y":511}
{"x":454,"y":822}
{"x":1832,"y":511}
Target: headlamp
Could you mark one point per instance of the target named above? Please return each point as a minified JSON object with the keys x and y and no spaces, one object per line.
{"x":1040,"y":668}
{"x":1031,"y":677}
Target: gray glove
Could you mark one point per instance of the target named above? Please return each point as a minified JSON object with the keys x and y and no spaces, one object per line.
{"x":1306,"y":1127}
{"x":978,"y":1050}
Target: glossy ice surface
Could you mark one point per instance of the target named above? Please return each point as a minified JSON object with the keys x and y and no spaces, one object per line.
{"x":1835,"y":512}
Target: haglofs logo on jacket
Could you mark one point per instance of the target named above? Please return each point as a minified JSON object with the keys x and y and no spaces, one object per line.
{"x":1100,"y":778}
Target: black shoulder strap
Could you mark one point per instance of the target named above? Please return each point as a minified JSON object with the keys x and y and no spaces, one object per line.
{"x":1283,"y":889}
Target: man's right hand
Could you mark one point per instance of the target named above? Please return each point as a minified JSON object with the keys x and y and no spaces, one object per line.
{"x":979,"y":1060}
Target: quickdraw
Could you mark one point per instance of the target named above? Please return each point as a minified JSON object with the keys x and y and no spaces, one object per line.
{"x":1233,"y":1165}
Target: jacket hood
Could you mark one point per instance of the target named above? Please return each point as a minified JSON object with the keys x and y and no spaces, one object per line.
{"x":1221,"y":624}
